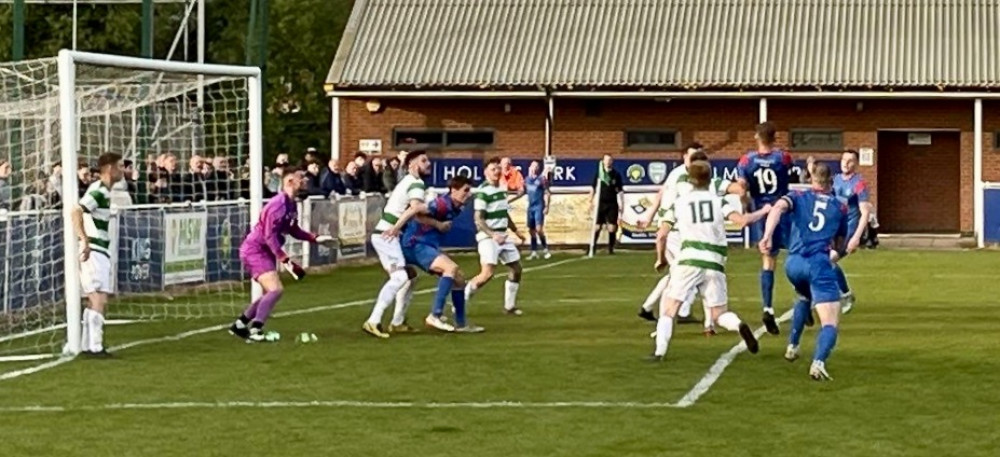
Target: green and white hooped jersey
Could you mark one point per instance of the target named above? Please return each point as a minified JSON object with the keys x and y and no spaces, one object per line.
{"x":409,"y":188}
{"x":677,"y":185}
{"x":700,"y":220}
{"x":96,"y":202}
{"x":492,"y":200}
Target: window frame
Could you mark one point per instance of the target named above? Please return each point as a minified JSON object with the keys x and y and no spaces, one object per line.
{"x":675,"y":146}
{"x":837,"y":148}
{"x":996,"y":140}
{"x":444,"y":144}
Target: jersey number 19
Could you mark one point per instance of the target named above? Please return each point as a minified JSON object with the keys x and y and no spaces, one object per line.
{"x":767,"y":180}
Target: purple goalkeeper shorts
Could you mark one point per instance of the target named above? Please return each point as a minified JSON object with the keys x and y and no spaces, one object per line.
{"x":257,"y":261}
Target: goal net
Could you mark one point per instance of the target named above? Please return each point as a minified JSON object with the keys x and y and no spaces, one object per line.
{"x":190,"y":138}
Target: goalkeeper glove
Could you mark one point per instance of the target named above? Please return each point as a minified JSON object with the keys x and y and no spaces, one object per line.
{"x":293,"y":269}
{"x":325,"y":240}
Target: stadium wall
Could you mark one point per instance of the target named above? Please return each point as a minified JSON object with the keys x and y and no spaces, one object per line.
{"x":590,"y":128}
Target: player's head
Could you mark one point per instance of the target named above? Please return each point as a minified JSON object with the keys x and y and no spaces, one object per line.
{"x":110,"y":166}
{"x":822,"y":176}
{"x":696,"y":156}
{"x":491,"y":170}
{"x":416,"y":162}
{"x":360,"y":158}
{"x":692,"y":148}
{"x":608,"y":161}
{"x":849,"y":161}
{"x":699,"y":174}
{"x":459,"y":187}
{"x":533,"y":168}
{"x":292,"y":180}
{"x":764,"y":133}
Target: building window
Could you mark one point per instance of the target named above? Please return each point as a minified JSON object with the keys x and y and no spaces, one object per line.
{"x":996,"y":140}
{"x":817,"y":139}
{"x":652,"y":139}
{"x":408,"y":139}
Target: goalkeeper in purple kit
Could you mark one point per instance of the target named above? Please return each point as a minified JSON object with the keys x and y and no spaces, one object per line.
{"x":261,"y":253}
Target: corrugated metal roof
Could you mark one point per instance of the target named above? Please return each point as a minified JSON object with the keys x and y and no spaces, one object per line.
{"x":670,"y":43}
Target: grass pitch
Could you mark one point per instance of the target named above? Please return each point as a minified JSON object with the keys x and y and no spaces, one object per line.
{"x":914,"y":372}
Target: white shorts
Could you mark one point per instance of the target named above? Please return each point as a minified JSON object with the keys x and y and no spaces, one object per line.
{"x":490,"y":252}
{"x":710,"y":283}
{"x":390,"y":253}
{"x":95,"y":274}
{"x":673,"y":247}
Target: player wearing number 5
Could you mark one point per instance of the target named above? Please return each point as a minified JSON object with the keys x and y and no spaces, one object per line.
{"x":764,"y":175}
{"x":818,"y":224}
{"x":95,"y":262}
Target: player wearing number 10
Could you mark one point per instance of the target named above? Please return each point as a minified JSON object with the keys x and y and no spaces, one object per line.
{"x":819,"y":222}
{"x":764,"y":174}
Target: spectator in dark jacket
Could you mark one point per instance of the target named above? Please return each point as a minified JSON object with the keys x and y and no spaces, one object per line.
{"x":314,"y":184}
{"x":330,"y":180}
{"x":372,"y":177}
{"x":391,"y":175}
{"x":352,"y":182}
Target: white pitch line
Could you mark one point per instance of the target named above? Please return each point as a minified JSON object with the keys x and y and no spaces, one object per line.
{"x":183,"y":335}
{"x":335,"y":404}
{"x":713,"y":374}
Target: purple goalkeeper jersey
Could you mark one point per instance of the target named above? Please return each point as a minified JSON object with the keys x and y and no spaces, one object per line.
{"x":278,"y":218}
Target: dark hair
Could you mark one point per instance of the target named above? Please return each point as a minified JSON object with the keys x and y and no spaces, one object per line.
{"x":360,"y":154}
{"x":108,"y":158}
{"x":694,"y":145}
{"x":490,"y":161}
{"x":412,"y":155}
{"x":393,"y":159}
{"x":854,"y":153}
{"x":822,"y":175}
{"x":458,"y":182}
{"x":698,"y":155}
{"x":81,"y":164}
{"x":700,"y":173}
{"x":766,"y":131}
{"x":288,"y":171}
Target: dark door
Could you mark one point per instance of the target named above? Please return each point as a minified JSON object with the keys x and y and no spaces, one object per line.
{"x":919,"y":185}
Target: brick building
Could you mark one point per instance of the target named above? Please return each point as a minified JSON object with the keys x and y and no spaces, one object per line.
{"x":916,"y":82}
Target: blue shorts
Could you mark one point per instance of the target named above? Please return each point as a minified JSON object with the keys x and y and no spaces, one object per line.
{"x":421,"y":255}
{"x":782,"y":233}
{"x":813,"y":277}
{"x":852,"y":225}
{"x":536,"y":217}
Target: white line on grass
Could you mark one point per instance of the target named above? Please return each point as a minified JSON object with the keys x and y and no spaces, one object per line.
{"x":183,"y":335}
{"x":713,"y":374}
{"x":335,"y":404}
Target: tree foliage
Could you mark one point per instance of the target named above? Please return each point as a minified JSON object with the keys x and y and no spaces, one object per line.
{"x":303,"y":38}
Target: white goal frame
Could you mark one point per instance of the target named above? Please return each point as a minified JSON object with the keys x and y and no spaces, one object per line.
{"x":67,"y":62}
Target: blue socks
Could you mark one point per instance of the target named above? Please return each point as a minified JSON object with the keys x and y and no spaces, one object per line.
{"x":799,"y":316}
{"x":458,"y":299}
{"x":443,"y":290}
{"x":825,"y":342}
{"x":766,"y":287}
{"x":841,"y":279}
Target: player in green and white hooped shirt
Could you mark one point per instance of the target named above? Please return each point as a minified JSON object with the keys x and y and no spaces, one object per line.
{"x":700,"y":218}
{"x":667,"y":242}
{"x":492,"y":216}
{"x":409,"y":192}
{"x":95,"y":260}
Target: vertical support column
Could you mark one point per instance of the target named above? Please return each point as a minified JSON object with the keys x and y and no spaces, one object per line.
{"x":763,"y":110}
{"x":67,"y":117}
{"x":17,"y":53}
{"x":249,"y":49}
{"x":335,"y":128}
{"x":978,"y":209}
{"x":255,"y":123}
{"x":147,"y":29}
{"x":549,"y":120}
{"x":201,"y":54}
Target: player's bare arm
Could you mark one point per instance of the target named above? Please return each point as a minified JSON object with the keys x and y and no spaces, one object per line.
{"x":855,"y":241}
{"x":415,"y":209}
{"x":743,"y":220}
{"x":773,"y":218}
{"x":546,"y":199}
{"x":520,"y":193}
{"x":513,"y":228}
{"x":81,"y":234}
{"x":737,"y":188}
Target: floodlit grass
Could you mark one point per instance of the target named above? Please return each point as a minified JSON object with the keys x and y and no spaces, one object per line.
{"x":915,"y":374}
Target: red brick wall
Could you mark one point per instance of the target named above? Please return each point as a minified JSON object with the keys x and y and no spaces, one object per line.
{"x":724,"y":126}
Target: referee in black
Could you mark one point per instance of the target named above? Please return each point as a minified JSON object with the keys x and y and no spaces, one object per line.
{"x":609,"y":206}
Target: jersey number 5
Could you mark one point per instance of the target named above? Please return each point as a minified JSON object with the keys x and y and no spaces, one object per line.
{"x":767,"y":181}
{"x":702,"y":212}
{"x":819,"y":219}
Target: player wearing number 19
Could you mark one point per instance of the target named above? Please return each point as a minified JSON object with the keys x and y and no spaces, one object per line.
{"x":95,"y":262}
{"x":261,"y":253}
{"x":764,"y":174}
{"x":818,"y":221}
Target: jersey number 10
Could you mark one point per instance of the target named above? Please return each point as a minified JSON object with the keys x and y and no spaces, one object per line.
{"x":702,"y":212}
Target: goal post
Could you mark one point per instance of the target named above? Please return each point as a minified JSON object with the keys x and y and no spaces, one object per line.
{"x":71,"y":109}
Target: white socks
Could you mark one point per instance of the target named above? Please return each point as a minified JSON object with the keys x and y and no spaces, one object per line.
{"x":654,"y":297}
{"x":85,"y":331}
{"x":387,"y":295}
{"x":510,"y":294}
{"x":470,"y":290}
{"x":403,"y":298}
{"x":95,"y":322}
{"x":729,"y":321}
{"x":664,"y":330}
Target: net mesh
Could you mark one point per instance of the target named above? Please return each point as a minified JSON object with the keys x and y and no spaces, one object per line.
{"x":178,"y":215}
